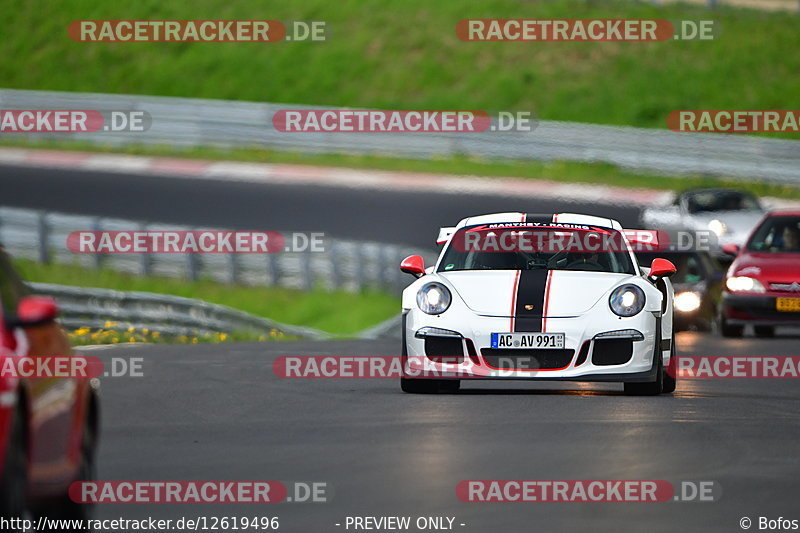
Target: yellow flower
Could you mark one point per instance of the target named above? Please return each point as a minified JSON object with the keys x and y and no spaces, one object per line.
{"x":130,"y":329}
{"x":145,"y":331}
{"x":132,"y":339}
{"x":156,"y":334}
{"x":194,"y":340}
{"x":223,"y":336}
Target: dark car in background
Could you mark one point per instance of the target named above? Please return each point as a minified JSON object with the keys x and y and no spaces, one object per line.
{"x":697,"y":284}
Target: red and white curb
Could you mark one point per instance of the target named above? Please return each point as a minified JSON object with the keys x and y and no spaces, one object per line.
{"x":268,"y":173}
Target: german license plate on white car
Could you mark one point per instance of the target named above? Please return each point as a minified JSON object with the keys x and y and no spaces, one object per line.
{"x":528,"y":341}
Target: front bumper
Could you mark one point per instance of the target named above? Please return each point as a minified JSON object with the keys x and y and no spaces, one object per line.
{"x":757,"y":309}
{"x":579,"y":361}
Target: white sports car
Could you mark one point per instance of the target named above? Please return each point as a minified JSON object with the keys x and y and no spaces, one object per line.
{"x":537,"y":297}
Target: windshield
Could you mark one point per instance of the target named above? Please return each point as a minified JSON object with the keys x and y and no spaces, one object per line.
{"x":710,"y":201}
{"x":777,"y":235}
{"x":517,"y":247}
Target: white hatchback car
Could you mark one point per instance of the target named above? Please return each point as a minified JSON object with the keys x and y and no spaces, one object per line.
{"x":537,"y":297}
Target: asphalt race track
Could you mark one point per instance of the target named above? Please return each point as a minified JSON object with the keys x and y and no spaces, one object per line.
{"x":345,"y":213}
{"x":217,"y":412}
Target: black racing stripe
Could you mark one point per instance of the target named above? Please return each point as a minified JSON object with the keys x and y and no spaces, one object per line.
{"x":540,"y":219}
{"x":530,"y":292}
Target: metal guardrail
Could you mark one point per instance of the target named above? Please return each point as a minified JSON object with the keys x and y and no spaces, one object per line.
{"x":170,"y":315}
{"x":344,"y":265}
{"x":185,"y":122}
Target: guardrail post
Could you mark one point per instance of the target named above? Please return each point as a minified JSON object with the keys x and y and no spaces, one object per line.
{"x":334,"y":254}
{"x":43,"y":231}
{"x":273,"y":276}
{"x":233,"y":268}
{"x":144,"y":264}
{"x":192,"y":266}
{"x":97,"y":225}
{"x":358,"y":262}
{"x":305,"y":270}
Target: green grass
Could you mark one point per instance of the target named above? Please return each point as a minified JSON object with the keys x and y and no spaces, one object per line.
{"x":406,"y":55}
{"x":337,"y":312}
{"x":560,"y":171}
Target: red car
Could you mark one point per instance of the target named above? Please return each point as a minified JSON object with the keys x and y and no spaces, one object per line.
{"x":762,"y":287}
{"x":48,"y":425}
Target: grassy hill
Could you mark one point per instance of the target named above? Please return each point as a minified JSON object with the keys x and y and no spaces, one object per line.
{"x":406,"y":55}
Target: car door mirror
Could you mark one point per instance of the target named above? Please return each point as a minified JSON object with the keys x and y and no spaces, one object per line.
{"x":662,"y":268}
{"x":731,"y":249}
{"x":414,"y":265}
{"x":36,"y":311}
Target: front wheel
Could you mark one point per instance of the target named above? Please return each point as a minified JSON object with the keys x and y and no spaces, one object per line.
{"x":650,"y":388}
{"x":647,"y":388}
{"x":670,"y":379}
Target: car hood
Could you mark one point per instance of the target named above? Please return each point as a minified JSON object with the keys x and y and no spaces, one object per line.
{"x":769,"y":267}
{"x":561,"y":293}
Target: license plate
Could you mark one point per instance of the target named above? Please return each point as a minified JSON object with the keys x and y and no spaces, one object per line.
{"x":788,"y":304}
{"x":528,"y":341}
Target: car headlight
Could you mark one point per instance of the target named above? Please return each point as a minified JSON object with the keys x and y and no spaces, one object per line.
{"x":434,"y":298}
{"x":686,"y":302}
{"x":744,"y":284}
{"x":718,"y":227}
{"x":626,"y":300}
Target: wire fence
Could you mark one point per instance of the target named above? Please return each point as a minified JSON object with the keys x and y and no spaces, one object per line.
{"x":343,"y":265}
{"x":185,"y":122}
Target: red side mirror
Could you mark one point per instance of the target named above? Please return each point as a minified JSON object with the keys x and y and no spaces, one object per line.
{"x":414,"y":265}
{"x":662,"y":268}
{"x":36,"y":310}
{"x":731,"y":249}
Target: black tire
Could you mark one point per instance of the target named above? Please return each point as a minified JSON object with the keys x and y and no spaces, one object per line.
{"x":14,"y":483}
{"x":647,"y":388}
{"x":429,"y":386}
{"x":670,"y":381}
{"x":729,"y":330}
{"x":764,"y":331}
{"x":650,"y":388}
